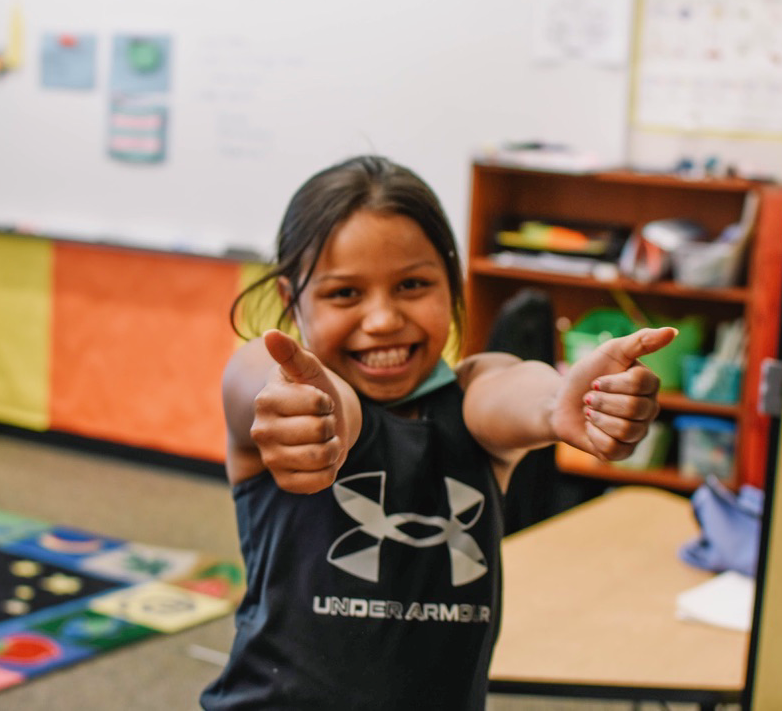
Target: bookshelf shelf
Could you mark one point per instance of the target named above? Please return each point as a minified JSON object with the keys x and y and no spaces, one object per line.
{"x":486,"y":266}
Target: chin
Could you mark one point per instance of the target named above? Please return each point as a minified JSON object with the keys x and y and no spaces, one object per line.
{"x":384,"y":395}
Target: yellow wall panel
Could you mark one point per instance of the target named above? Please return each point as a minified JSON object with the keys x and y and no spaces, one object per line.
{"x":25,"y":326}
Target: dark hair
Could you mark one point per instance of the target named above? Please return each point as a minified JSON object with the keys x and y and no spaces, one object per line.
{"x":325,"y":202}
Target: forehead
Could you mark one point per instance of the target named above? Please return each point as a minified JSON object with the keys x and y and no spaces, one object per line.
{"x":378,"y":241}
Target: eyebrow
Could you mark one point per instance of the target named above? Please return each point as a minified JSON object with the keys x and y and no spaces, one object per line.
{"x":424,"y":263}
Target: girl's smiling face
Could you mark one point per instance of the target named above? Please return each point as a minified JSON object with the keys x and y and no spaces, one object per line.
{"x":377,"y":308}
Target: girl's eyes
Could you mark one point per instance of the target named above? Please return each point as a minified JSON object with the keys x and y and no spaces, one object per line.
{"x":350,"y":293}
{"x":413,"y":283}
{"x":346,"y":292}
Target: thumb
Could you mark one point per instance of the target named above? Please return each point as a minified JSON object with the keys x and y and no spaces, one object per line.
{"x":297,"y":364}
{"x":627,"y":349}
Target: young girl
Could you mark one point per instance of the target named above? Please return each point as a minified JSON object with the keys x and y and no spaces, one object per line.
{"x":368,"y":475}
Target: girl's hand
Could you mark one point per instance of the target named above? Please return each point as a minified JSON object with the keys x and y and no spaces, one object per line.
{"x":609,"y":399}
{"x":299,"y":427}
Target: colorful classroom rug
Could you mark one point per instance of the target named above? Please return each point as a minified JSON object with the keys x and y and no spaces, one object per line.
{"x":67,"y":594}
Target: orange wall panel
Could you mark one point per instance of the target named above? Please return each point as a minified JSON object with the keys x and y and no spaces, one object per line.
{"x":139,"y":342}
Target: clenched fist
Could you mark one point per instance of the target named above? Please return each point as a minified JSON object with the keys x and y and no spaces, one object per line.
{"x":299,"y":425}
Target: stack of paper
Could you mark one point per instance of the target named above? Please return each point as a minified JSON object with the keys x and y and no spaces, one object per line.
{"x":727,"y":600}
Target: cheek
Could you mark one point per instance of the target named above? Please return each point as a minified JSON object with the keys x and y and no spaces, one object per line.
{"x":324,"y":332}
{"x":437,"y":318}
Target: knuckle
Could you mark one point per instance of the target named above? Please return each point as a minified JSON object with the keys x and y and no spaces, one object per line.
{"x":315,"y":400}
{"x":325,"y":403}
{"x":646,"y":410}
{"x":315,"y":457}
{"x":321,"y":456}
{"x":305,"y":482}
{"x":647,"y":380}
{"x":273,"y":463}
{"x":641,"y":432}
{"x":262,"y":400}
{"x":326,"y":478}
{"x":636,"y":408}
{"x":259,"y":433}
{"x":326,"y":427}
{"x":637,"y":376}
{"x":636,"y":433}
{"x":618,"y":452}
{"x":625,"y":430}
{"x":289,"y":482}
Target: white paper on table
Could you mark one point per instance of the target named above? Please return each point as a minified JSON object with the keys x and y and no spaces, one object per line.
{"x":727,"y":600}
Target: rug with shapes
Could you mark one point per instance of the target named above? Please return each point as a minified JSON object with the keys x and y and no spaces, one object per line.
{"x":68,"y":594}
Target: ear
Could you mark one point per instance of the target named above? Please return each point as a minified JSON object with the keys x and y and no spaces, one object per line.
{"x":285,"y":293}
{"x":284,"y":290}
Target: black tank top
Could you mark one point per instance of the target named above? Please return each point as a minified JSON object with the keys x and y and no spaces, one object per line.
{"x":381,"y":592}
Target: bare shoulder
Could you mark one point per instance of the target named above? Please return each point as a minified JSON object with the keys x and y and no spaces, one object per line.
{"x":246,"y":372}
{"x":244,"y":377}
{"x":250,"y":356}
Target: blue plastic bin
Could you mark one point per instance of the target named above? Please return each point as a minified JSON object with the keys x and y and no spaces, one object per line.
{"x":712,"y":380}
{"x":706,"y":446}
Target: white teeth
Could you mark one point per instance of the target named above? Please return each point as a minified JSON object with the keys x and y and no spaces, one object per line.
{"x":387,"y":358}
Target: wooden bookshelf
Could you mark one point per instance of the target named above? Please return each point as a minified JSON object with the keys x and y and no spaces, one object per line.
{"x":630,"y":200}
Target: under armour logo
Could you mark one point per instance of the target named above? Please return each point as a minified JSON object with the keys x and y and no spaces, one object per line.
{"x":375,"y":525}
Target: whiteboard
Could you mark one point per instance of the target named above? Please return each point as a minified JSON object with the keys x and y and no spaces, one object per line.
{"x":263,"y":94}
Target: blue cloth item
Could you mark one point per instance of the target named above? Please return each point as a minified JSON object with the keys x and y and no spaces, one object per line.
{"x":730,"y":528}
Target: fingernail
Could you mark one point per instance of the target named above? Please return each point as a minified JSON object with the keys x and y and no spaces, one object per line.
{"x":596,"y":385}
{"x":588,"y":399}
{"x":588,"y":413}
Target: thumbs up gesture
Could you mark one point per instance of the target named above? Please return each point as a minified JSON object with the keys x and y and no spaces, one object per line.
{"x":609,"y":399}
{"x":300,"y":423}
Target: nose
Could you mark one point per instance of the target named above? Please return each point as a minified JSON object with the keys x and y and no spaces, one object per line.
{"x":382,"y":316}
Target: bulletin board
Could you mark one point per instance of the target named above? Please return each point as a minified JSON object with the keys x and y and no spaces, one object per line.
{"x":710,"y":65}
{"x":706,"y":86}
{"x":187,"y":124}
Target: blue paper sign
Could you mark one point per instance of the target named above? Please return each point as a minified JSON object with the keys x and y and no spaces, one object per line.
{"x":68,"y":61}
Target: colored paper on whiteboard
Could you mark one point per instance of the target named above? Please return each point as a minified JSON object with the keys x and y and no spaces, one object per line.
{"x":141,"y":64}
{"x":68,"y":61}
{"x":137,"y":132}
{"x":12,"y":54}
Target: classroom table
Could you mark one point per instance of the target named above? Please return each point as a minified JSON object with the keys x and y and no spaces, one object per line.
{"x":589,"y":602}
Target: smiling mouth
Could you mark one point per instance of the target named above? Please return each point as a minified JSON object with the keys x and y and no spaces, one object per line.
{"x":384,"y":357}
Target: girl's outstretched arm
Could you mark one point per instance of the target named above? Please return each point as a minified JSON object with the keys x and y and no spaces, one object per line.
{"x":288,"y":414}
{"x":604,"y":405}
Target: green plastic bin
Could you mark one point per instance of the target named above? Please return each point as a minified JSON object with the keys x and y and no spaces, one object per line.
{"x":592,"y":329}
{"x":599,"y":325}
